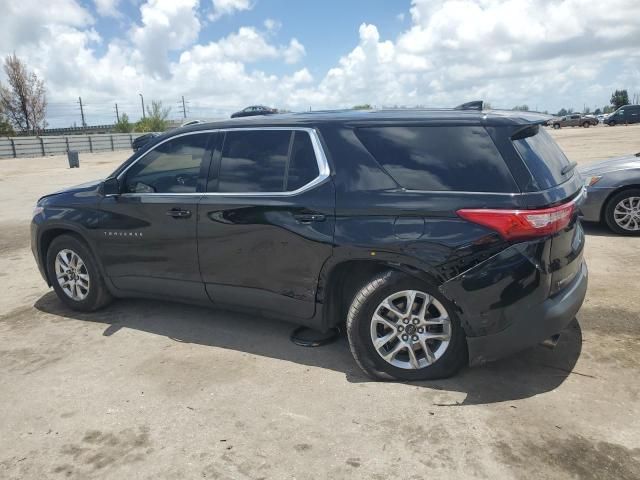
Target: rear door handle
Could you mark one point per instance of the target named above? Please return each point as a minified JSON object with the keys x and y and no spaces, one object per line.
{"x":309,"y":217}
{"x":179,"y":213}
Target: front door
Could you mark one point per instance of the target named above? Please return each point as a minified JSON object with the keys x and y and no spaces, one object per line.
{"x":147,"y":235}
{"x":265,"y":227}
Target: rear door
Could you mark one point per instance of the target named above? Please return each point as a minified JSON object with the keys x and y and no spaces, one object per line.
{"x":266,"y":223}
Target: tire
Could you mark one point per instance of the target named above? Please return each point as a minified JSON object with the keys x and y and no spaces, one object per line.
{"x":84,"y":297}
{"x":361,"y":328}
{"x":612,"y":123}
{"x":586,"y":124}
{"x":556,"y":126}
{"x":610,"y":211}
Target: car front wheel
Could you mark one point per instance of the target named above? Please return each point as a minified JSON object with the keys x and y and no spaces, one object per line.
{"x":622,"y":212}
{"x":74,"y":274}
{"x":400,"y":328}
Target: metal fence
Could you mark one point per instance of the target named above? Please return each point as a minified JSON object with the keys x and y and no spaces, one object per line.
{"x":15,"y":147}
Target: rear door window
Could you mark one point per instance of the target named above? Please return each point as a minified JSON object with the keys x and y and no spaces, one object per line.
{"x":264,"y":161}
{"x":452,"y":158}
{"x":544,"y":159}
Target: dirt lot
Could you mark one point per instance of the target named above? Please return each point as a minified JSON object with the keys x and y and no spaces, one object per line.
{"x":151,"y":390}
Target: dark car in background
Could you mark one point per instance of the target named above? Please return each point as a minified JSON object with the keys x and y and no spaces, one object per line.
{"x":573,"y":120}
{"x":613,"y":194}
{"x":436,"y":237}
{"x":143,"y":140}
{"x":254,"y":110}
{"x":625,"y":115}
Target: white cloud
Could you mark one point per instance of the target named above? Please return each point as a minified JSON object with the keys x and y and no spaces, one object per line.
{"x":108,"y":8}
{"x":166,"y":25}
{"x":549,"y":53}
{"x":294,"y":52}
{"x":229,"y":7}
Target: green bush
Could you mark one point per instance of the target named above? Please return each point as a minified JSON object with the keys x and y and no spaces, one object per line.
{"x":123,"y":125}
{"x":156,"y":119}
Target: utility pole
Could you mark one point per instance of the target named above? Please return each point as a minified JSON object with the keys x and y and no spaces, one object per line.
{"x":142,"y":100}
{"x":84,"y":124}
{"x":117,"y":114}
{"x":184,"y":108}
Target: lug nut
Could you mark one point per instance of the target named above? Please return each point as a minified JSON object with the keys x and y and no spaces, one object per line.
{"x":406,"y":320}
{"x":414,"y":338}
{"x":400,"y":328}
{"x":405,"y":337}
{"x":416,"y":321}
{"x":420,"y":330}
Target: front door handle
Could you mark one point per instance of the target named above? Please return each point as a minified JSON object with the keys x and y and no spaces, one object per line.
{"x":179,"y":213}
{"x":309,"y":217}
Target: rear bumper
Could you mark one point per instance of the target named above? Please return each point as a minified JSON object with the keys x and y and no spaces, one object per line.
{"x":533,"y":324}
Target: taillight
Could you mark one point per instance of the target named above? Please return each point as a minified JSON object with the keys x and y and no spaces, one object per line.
{"x":522,"y":224}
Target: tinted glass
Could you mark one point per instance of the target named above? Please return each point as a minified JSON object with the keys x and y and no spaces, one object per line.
{"x":544,"y":158}
{"x":171,"y":167}
{"x":303,"y":167}
{"x":254,"y":161}
{"x":439,"y":158}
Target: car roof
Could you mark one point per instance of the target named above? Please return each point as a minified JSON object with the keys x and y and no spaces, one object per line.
{"x":378,"y":117}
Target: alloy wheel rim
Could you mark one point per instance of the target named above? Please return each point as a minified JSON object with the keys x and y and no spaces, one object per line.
{"x":410,"y":329}
{"x":627,"y":214}
{"x":72,"y":275}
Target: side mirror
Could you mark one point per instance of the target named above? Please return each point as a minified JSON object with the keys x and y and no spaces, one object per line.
{"x":110,"y":187}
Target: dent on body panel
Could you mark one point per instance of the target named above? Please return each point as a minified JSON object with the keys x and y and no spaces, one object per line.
{"x":512,"y":277}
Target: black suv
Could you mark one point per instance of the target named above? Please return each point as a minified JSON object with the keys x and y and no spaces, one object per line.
{"x":439,"y":237}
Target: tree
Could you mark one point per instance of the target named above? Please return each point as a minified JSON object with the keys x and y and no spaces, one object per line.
{"x":24,"y":100}
{"x":156,"y":119}
{"x":608,"y":109}
{"x":522,"y":108}
{"x":587,"y":110}
{"x":123,"y":125}
{"x":364,"y":106}
{"x":619,"y":98}
{"x":562,"y":112}
{"x":597,"y":111}
{"x":6,"y":130}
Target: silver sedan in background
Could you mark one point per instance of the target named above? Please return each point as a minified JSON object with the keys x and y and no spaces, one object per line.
{"x":613,"y":194}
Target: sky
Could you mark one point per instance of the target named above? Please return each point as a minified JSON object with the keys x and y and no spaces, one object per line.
{"x":223,"y":55}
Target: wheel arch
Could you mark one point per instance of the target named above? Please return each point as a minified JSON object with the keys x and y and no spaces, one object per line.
{"x":51,"y":233}
{"x":603,"y":207}
{"x":341,"y":281}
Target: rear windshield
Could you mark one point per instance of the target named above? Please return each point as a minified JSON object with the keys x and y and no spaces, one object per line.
{"x":544,"y":159}
{"x":453,"y":158}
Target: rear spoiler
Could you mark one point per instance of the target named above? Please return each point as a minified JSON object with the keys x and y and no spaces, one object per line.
{"x":474,"y":105}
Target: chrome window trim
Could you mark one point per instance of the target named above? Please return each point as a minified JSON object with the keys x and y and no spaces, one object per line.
{"x":321,"y":160}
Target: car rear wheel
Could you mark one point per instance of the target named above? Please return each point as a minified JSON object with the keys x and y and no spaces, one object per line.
{"x":400,"y":328}
{"x":556,"y":126}
{"x":586,"y":124}
{"x":622,"y":212}
{"x":612,"y":123}
{"x":74,"y":274}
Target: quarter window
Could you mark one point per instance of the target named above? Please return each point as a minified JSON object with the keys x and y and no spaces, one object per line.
{"x":455,"y":158}
{"x":171,"y":167}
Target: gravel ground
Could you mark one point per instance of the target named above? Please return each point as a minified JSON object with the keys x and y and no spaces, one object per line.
{"x":159,"y":390}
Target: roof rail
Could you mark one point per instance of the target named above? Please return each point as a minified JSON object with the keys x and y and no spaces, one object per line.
{"x":474,"y":105}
